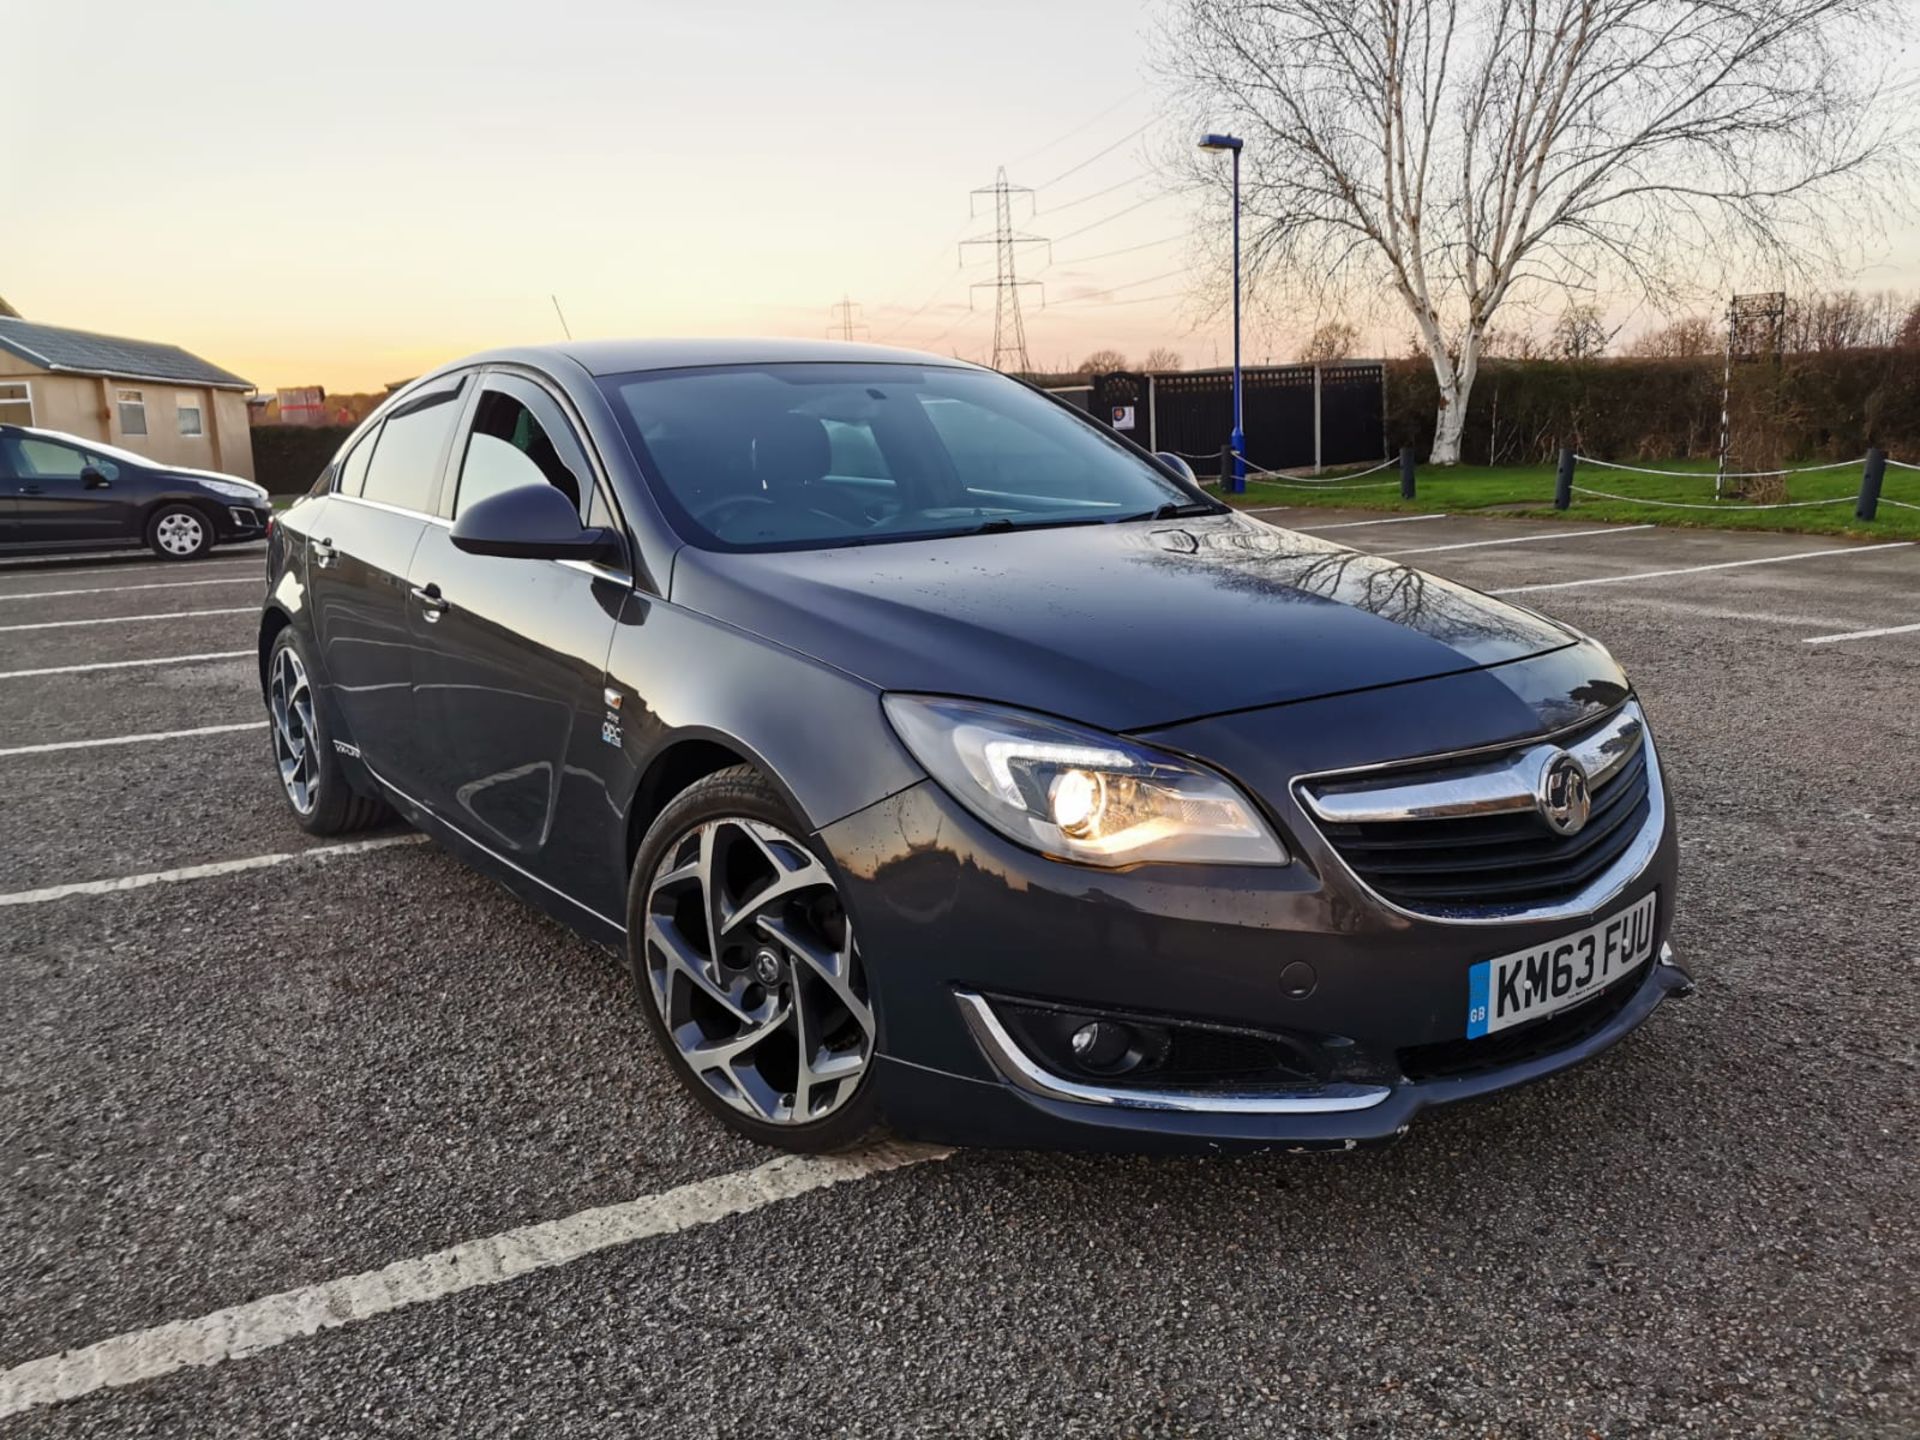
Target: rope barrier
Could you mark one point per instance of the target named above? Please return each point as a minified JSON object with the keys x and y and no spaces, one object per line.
{"x":1335,"y":481}
{"x":1721,"y":508}
{"x":1731,"y":474}
{"x":1900,"y":465}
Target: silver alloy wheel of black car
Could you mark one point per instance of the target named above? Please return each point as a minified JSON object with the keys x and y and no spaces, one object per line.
{"x":751,"y":963}
{"x":290,"y":701}
{"x":180,"y":533}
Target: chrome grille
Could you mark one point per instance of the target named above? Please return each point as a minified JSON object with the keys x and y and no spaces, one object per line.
{"x":1466,"y":838}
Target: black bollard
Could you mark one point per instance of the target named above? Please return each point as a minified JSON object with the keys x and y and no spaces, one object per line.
{"x":1870,"y":479}
{"x":1563,"y":482}
{"x":1406,"y":472}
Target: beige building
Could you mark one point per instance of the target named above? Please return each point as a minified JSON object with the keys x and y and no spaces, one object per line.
{"x":155,"y":400}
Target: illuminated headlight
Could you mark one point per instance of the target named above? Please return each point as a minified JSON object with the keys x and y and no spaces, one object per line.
{"x":237,"y":490}
{"x":1079,"y":794}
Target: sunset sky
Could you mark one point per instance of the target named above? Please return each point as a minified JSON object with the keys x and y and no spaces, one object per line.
{"x":346,"y":195}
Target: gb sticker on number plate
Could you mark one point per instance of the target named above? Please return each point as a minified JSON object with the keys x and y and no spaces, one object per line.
{"x":1529,"y":984}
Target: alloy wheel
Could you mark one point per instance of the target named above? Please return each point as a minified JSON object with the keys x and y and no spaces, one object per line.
{"x":751,"y":962}
{"x":295,"y":747}
{"x":180,"y":533}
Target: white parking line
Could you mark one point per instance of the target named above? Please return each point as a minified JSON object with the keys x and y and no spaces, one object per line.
{"x":1859,"y":635}
{"x":129,"y":619}
{"x":202,"y":872}
{"x":132,"y":566}
{"x":1356,"y":524}
{"x":119,"y":589}
{"x":1520,"y":539}
{"x":131,"y":739}
{"x":1698,"y":569}
{"x":124,"y":664}
{"x":257,"y":1325}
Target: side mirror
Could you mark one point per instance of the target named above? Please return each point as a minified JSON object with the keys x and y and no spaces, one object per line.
{"x":92,"y":479}
{"x":1179,"y":467}
{"x":532,"y":522}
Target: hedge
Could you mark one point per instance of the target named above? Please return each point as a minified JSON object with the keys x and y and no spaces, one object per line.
{"x":1833,"y":406}
{"x":287,"y":459}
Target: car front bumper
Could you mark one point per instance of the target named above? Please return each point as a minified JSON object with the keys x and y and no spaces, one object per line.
{"x":237,"y":520}
{"x":960,"y":925}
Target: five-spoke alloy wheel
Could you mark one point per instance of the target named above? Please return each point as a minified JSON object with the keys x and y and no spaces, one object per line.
{"x":748,"y":960}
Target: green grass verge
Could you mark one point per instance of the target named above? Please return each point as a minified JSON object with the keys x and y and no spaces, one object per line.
{"x":1528,"y":490}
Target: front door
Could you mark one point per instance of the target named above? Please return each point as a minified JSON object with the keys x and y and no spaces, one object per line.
{"x":510,"y":656}
{"x":65,"y":495}
{"x":362,"y":545}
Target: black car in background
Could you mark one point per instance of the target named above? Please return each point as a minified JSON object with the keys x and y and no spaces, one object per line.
{"x":59,"y":492}
{"x":941,"y":760}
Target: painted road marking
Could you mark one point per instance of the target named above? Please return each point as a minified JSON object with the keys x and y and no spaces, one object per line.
{"x":1356,"y":524}
{"x":203,"y":872}
{"x":129,"y":619}
{"x":132,"y":739}
{"x":257,"y":1325}
{"x":1698,"y":569}
{"x":1859,"y":635}
{"x":1520,"y":539}
{"x":125,"y":664}
{"x":131,"y":566}
{"x":119,"y":589}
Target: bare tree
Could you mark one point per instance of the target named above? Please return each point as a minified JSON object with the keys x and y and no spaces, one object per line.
{"x":1680,"y":339}
{"x":1103,"y":362}
{"x":1335,"y":340}
{"x":1844,"y":320}
{"x":1453,"y":151}
{"x":1161,"y":359}
{"x":1581,"y":333}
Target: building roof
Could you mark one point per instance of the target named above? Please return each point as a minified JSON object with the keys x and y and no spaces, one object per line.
{"x":79,"y":352}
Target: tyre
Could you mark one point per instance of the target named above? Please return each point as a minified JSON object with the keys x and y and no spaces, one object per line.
{"x":317,"y":790}
{"x":747,"y":969}
{"x":179,"y":532}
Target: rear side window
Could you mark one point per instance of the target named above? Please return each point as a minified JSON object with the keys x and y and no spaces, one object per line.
{"x":353,"y":470}
{"x":406,"y":461}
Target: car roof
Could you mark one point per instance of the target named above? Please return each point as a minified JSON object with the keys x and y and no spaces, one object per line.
{"x":619,"y":357}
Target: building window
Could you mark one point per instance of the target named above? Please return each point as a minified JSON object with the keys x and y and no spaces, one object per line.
{"x":133,"y":412}
{"x":16,"y":402}
{"x":187,"y":407}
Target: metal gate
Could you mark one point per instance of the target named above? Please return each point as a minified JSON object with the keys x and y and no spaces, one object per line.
{"x":1298,"y":417}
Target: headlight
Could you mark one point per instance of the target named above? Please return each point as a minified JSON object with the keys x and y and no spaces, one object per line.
{"x":1079,"y":794}
{"x":236,"y":489}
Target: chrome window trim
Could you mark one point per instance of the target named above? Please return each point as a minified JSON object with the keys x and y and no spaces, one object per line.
{"x":1494,"y":788}
{"x":392,"y":509}
{"x":1601,"y":891}
{"x":1021,"y":1070}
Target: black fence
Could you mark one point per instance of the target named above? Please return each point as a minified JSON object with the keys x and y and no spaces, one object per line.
{"x":1298,"y":417}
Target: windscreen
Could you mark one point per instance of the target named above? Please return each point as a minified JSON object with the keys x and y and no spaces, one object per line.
{"x":751,"y":457}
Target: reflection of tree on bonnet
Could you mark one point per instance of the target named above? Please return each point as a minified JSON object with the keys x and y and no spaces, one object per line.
{"x":1256,"y":559}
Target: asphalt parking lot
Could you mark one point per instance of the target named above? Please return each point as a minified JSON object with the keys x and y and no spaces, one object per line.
{"x":221,"y":1086}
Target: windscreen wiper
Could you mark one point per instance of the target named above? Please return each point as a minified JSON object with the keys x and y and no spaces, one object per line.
{"x":1173,"y":510}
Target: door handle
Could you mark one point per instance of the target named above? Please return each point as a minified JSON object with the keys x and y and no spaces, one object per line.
{"x":324,"y":554}
{"x":30,"y":490}
{"x":429,"y":597}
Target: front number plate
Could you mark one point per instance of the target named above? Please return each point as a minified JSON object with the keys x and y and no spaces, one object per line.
{"x":1531,"y":983}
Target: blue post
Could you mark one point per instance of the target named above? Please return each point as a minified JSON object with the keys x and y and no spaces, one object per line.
{"x":1239,"y":416}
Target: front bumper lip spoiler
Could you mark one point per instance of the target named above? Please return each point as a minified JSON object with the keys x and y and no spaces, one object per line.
{"x":1333,"y":1114}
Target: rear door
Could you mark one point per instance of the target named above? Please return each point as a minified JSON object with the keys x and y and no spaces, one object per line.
{"x":63,"y":494}
{"x":362,"y":546}
{"x":510,"y":655}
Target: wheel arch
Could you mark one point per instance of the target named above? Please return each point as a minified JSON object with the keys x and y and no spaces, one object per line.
{"x":273,"y":619}
{"x":685,"y":760}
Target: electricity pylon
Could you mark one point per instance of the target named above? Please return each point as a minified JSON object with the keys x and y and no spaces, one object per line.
{"x":1009,"y":329}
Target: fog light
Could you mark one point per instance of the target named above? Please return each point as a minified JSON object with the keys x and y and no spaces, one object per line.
{"x":1104,"y":1047}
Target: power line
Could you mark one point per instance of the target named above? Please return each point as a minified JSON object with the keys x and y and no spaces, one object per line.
{"x":1137,"y":300}
{"x":1009,"y":329}
{"x":1130,"y":285}
{"x":1102,"y":154}
{"x":1095,"y":195}
{"x":1123,"y":250}
{"x":1083,"y":125}
{"x":1137,"y":205}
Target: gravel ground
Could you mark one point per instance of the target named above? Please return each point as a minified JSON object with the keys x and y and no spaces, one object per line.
{"x":212,"y":1091}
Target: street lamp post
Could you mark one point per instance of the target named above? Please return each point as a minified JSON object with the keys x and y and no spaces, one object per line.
{"x":1238,"y":484}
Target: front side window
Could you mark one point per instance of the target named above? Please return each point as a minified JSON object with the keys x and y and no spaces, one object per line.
{"x":133,"y":411}
{"x":187,"y":408}
{"x":406,"y":461}
{"x":753,"y":457}
{"x":49,"y":460}
{"x":518,"y":438}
